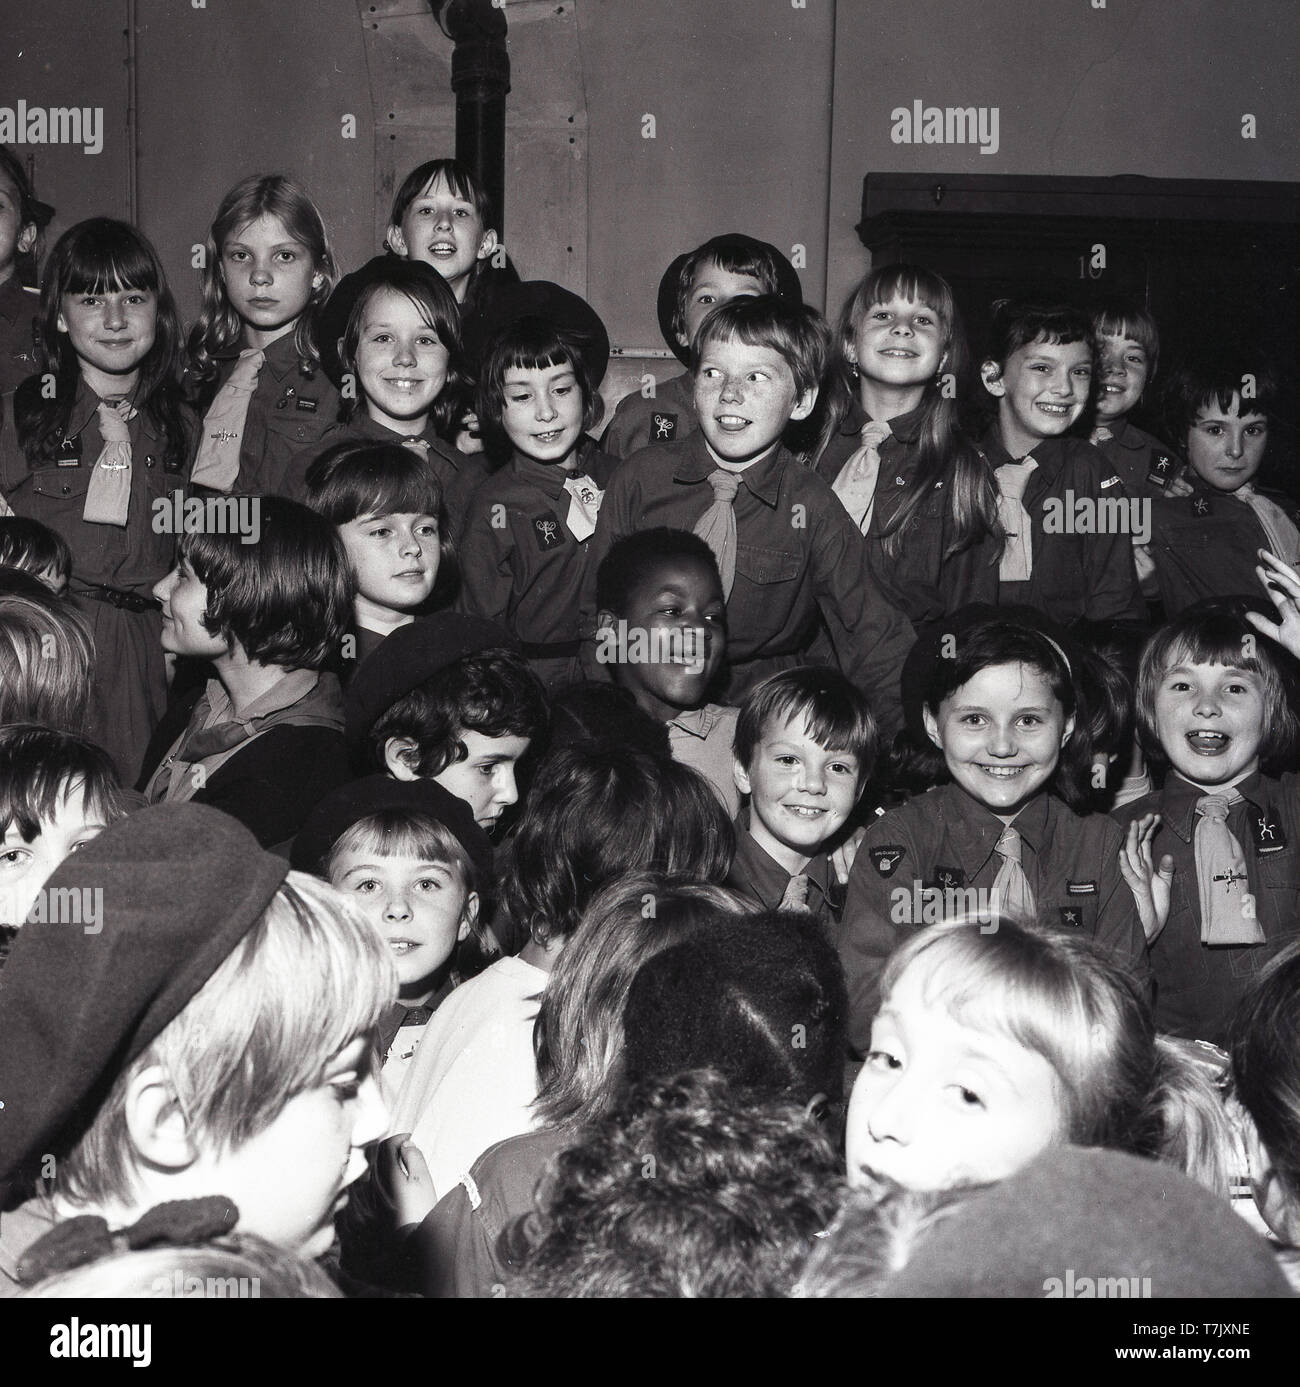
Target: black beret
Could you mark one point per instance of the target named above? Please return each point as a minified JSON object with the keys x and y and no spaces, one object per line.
{"x":334,"y":316}
{"x":787,"y":281}
{"x":179,"y":885}
{"x":539,"y":298}
{"x":348,"y":804}
{"x":1073,"y":1216}
{"x":412,"y":654}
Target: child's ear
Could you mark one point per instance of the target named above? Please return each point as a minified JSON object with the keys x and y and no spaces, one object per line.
{"x":804,"y":406}
{"x":27,"y":238}
{"x":931,"y":727}
{"x":991,"y":375}
{"x":487,"y":245}
{"x":61,"y":323}
{"x":396,"y":241}
{"x":155,"y":1122}
{"x":741,"y":776}
{"x":1068,"y":730}
{"x":400,"y":756}
{"x":468,"y":917}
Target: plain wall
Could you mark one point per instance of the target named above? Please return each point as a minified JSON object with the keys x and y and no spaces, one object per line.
{"x":1154,"y":87}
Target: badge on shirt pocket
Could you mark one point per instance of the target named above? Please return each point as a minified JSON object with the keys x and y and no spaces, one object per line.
{"x":947,"y":879}
{"x":1071,"y":916}
{"x":1162,"y":470}
{"x":663,"y":427}
{"x":886,"y":858}
{"x":1201,"y":507}
{"x":306,"y":404}
{"x":1080,"y":888}
{"x":69,"y":452}
{"x":546,"y":530}
{"x":1266,"y":830}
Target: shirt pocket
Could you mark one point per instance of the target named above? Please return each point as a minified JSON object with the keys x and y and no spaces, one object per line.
{"x":1184,"y":538}
{"x":1180,"y":962}
{"x":56,"y":483}
{"x":764,"y":566}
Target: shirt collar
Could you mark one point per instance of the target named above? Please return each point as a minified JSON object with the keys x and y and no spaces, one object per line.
{"x":551,"y":480}
{"x":294,"y":686}
{"x":1179,"y":797}
{"x":763,"y":478}
{"x":699,"y":722}
{"x":1048,"y":453}
{"x":976,"y":829}
{"x":906,"y":428}
{"x":765,"y":876}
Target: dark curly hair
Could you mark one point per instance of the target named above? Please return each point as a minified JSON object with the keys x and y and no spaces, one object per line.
{"x":596,"y":814}
{"x":689,"y":1189}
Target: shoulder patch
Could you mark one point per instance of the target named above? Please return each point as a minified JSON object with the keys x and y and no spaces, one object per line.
{"x":547,"y":532}
{"x":1162,"y":469}
{"x":1266,"y":830}
{"x":663,"y":427}
{"x":887,"y":857}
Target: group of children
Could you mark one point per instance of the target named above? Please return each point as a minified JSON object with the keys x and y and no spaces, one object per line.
{"x":459,"y":812}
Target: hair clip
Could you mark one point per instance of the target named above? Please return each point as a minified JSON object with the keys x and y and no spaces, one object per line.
{"x":77,"y":1241}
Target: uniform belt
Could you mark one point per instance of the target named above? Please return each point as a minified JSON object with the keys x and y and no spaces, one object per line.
{"x":122,"y":598}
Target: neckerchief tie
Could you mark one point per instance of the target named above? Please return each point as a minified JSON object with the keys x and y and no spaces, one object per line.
{"x":217,"y":463}
{"x":108,"y":496}
{"x":417,"y":445}
{"x":1017,"y":563}
{"x":1227,"y":907}
{"x":584,"y":505}
{"x":1013,"y":896}
{"x":717,"y":526}
{"x":856,"y":483}
{"x":1283,"y":538}
{"x":1101,"y":434}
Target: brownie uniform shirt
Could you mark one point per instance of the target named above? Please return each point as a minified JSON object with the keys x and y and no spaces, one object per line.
{"x":667,"y":417}
{"x":918,"y":580}
{"x":288,"y":413}
{"x":1204,"y":545}
{"x":1144,"y":465}
{"x":1197,"y":984}
{"x":936,"y":857}
{"x":803,"y":593}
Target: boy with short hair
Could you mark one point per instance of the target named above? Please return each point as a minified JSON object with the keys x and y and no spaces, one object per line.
{"x":723,"y":268}
{"x":22,"y":219}
{"x":805,"y":745}
{"x":662,"y":636}
{"x":793,"y":566}
{"x":211,"y":1042}
{"x":450,"y":699}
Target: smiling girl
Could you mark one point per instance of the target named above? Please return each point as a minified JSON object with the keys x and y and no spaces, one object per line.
{"x":1214,"y":856}
{"x":916,"y":486}
{"x":254,"y":364}
{"x":1002,"y":837}
{"x":524,"y":539}
{"x":88,"y":459}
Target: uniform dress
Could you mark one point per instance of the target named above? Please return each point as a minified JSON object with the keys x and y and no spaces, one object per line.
{"x":20,"y":311}
{"x":1204,"y":545}
{"x":804,"y":592}
{"x":919,"y":580}
{"x":128,"y":689}
{"x":520,"y":565}
{"x":668,"y":417}
{"x":944,"y":840}
{"x":458,"y":473}
{"x":1144,"y":465}
{"x":1197,"y":984}
{"x":287,"y":414}
{"x":1073,"y":575}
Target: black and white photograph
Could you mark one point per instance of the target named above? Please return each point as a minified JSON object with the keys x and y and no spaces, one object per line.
{"x":649,"y":650}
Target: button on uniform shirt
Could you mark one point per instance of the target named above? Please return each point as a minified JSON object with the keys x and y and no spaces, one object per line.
{"x":803,"y":592}
{"x":1078,"y":574}
{"x":19,"y":312}
{"x":1203,"y":545}
{"x":639,"y":423}
{"x":458,"y":473}
{"x":946,"y":841}
{"x":288,"y":413}
{"x":758,"y":876}
{"x":918,"y":580}
{"x":520,"y":565}
{"x":1143,"y":463}
{"x":1197,"y":985}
